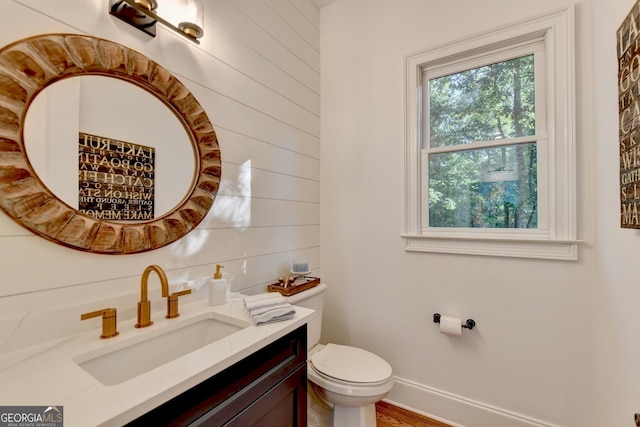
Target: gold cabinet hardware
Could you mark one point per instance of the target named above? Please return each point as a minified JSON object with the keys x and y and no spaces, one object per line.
{"x":109,"y":321}
{"x":172,"y":303}
{"x":144,"y":305}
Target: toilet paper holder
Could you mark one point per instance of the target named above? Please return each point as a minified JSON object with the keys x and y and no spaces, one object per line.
{"x":469,"y":324}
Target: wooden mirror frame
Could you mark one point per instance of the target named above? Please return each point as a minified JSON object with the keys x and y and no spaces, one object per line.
{"x":26,"y":68}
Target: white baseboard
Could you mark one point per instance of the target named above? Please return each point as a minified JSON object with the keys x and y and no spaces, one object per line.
{"x":455,"y":410}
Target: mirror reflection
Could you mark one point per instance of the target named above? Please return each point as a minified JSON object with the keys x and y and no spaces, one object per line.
{"x":117,"y":110}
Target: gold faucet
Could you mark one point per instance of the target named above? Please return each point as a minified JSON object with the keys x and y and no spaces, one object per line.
{"x":144,"y":305}
{"x":109,"y":321}
{"x":172,"y":303}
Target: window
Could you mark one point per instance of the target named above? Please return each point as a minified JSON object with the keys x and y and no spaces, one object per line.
{"x":479,"y":142}
{"x":490,"y":149}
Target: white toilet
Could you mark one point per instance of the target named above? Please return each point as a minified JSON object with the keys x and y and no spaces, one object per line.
{"x":351,"y":379}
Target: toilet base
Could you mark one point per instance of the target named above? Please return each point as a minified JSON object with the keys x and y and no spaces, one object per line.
{"x":354,"y":416}
{"x":319,"y":414}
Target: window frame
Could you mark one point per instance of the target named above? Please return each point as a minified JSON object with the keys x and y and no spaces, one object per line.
{"x":555,"y":236}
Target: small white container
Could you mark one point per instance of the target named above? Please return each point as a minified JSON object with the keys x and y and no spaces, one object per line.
{"x":300,"y":267}
{"x":217,"y":288}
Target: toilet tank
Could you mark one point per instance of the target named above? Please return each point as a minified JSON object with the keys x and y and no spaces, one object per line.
{"x":311,"y":298}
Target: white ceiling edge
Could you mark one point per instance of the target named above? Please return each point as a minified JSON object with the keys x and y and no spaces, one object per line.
{"x":321,"y":3}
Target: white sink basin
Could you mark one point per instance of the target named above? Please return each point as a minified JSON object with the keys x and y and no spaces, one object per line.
{"x":127,"y":360}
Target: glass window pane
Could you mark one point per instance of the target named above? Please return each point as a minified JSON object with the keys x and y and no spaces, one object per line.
{"x":492,"y":102}
{"x":485,"y":188}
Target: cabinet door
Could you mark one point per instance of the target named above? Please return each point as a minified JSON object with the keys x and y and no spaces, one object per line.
{"x":285,"y":405}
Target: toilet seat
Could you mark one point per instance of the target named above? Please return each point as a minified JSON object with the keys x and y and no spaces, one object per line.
{"x":350,"y":365}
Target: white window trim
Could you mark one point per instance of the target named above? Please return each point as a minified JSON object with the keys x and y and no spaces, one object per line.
{"x":559,"y":239}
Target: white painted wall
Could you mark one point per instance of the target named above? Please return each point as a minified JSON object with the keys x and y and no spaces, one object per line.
{"x":529,"y":362}
{"x":616,"y":291}
{"x":256,"y":73}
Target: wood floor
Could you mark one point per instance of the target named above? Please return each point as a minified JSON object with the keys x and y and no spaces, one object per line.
{"x":391,"y":416}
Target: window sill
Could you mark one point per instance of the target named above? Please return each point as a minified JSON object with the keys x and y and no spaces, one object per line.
{"x":565,"y":250}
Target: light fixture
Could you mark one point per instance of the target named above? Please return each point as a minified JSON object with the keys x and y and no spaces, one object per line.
{"x":186,"y":17}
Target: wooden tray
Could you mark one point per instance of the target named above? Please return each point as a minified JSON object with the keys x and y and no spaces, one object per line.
{"x":301,"y":284}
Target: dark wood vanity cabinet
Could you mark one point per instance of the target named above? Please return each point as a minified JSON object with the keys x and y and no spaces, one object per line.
{"x":266,"y":389}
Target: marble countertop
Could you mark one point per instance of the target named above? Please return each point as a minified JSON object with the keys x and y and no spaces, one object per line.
{"x":48,"y":374}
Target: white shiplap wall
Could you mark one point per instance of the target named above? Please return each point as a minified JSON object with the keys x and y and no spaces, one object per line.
{"x":256,"y":73}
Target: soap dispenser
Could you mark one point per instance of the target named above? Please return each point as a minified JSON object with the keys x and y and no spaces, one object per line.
{"x":217,"y":288}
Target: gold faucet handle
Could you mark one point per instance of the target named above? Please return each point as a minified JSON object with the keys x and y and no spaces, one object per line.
{"x":109,"y":321}
{"x":172,"y":303}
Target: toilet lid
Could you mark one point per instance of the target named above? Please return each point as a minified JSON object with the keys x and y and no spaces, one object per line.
{"x":351,"y":364}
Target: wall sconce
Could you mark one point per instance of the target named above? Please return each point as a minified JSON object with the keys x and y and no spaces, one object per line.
{"x":186,"y":17}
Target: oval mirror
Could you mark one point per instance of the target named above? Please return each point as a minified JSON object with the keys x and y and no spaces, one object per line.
{"x":119,"y":177}
{"x":99,"y":105}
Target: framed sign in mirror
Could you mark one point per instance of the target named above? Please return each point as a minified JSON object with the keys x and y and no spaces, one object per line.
{"x":29,"y":66}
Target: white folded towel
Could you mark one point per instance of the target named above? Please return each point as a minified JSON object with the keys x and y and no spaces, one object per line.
{"x":268,"y":308}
